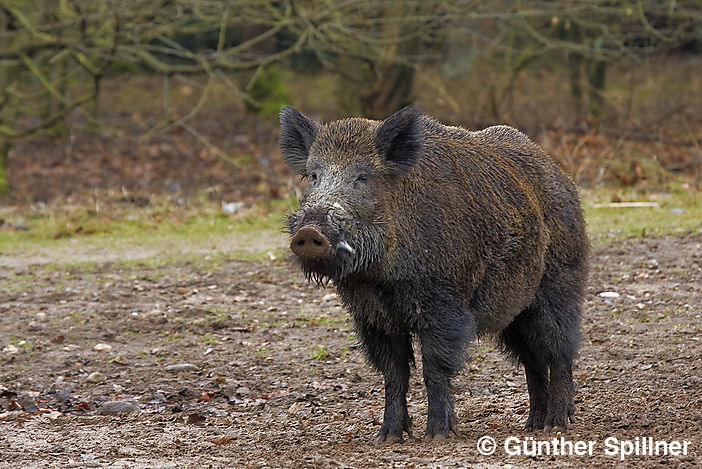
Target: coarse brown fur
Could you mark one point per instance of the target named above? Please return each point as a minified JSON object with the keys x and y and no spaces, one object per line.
{"x":447,"y":235}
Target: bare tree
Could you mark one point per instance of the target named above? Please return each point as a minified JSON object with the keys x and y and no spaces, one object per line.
{"x":593,"y":35}
{"x":54,"y":55}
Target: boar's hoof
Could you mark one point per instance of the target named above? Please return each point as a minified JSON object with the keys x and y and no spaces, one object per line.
{"x":439,"y":437}
{"x":388,"y":439}
{"x":557,"y":419}
{"x":442,"y":429}
{"x":537,"y":417}
{"x":556,"y":429}
{"x":309,"y":244}
{"x":392,"y":430}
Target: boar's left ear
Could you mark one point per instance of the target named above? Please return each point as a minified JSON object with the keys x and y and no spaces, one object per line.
{"x":297,"y":133}
{"x":399,"y":139}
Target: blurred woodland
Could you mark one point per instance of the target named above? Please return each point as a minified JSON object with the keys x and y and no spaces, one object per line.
{"x":182,"y":95}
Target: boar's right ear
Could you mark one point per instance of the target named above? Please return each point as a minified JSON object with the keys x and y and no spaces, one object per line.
{"x":297,"y":133}
{"x":399,"y":139}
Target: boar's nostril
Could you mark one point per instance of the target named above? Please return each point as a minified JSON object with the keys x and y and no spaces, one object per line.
{"x":310,"y":244}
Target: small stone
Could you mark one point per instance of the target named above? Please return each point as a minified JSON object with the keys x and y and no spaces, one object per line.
{"x":117,"y":408}
{"x":41,"y":316}
{"x":157,"y":398}
{"x":102,"y":347}
{"x":129,"y":451}
{"x":181,"y":367}
{"x":294,"y":407}
{"x":608,"y":294}
{"x":95,"y":377}
{"x":63,"y":396}
{"x":242,"y":390}
{"x":195,"y":419}
{"x":51,"y":415}
{"x":35,"y":325}
{"x":28,"y":405}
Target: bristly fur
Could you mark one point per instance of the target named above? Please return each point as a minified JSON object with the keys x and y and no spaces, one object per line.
{"x":399,"y":139}
{"x":453,"y":235}
{"x":297,"y":134}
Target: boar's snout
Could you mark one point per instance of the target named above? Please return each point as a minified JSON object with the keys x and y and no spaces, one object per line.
{"x":309,"y":244}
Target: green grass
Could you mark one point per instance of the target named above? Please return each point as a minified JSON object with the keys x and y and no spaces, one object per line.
{"x":201,"y":220}
{"x":158,"y":234}
{"x":78,"y":317}
{"x":324,"y":319}
{"x":679,"y":211}
{"x":319,"y":352}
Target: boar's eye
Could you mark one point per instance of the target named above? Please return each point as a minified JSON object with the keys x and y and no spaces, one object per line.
{"x":360,"y":179}
{"x":313,"y":176}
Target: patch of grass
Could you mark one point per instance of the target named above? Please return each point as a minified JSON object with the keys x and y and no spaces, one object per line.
{"x":159,"y":233}
{"x":22,"y":282}
{"x":678,"y":211}
{"x":170,"y":338}
{"x":78,"y":317}
{"x":217,"y":315}
{"x":209,"y":339}
{"x":324,"y":319}
{"x":319,"y":352}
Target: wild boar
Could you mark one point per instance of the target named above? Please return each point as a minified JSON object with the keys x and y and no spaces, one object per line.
{"x":446,"y":235}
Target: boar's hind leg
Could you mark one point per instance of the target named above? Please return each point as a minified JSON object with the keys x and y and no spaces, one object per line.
{"x":391,"y":355}
{"x":543,"y":343}
{"x":516,"y":341}
{"x":444,"y":338}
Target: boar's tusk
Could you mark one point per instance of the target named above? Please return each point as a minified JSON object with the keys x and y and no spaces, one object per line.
{"x":346,"y":246}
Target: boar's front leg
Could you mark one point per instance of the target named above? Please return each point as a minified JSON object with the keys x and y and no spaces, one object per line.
{"x":444,"y":336}
{"x":391,"y":354}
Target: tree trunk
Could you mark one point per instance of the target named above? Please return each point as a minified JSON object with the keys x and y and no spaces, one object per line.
{"x":575,"y":67}
{"x":377,"y":88}
{"x":4,"y":153}
{"x":596,"y":78}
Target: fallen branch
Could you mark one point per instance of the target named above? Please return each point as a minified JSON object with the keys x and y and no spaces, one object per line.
{"x":626,"y":205}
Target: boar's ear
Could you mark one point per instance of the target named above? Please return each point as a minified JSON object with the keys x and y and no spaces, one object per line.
{"x":297,"y":133}
{"x":399,"y":139}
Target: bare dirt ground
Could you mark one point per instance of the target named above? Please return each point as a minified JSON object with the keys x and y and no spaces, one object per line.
{"x":270,"y":375}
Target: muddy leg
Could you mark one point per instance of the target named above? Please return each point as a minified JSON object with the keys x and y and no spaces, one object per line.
{"x":560,"y":404}
{"x":391,"y":355}
{"x":545,"y":340}
{"x":444,"y":342}
{"x":535,"y":361}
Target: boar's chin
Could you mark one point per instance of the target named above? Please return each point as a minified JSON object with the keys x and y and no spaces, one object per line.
{"x":321,"y":272}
